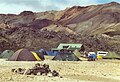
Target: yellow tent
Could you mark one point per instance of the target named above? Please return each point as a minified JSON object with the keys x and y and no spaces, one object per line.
{"x":99,"y":57}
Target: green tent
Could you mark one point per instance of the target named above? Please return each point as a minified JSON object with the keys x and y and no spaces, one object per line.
{"x":112,"y":55}
{"x":66,"y":57}
{"x":77,"y":53}
{"x":7,"y":54}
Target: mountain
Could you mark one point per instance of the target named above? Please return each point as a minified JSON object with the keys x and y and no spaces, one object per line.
{"x":95,"y":26}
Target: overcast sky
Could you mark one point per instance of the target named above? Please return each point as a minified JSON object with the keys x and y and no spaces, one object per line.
{"x":17,"y":6}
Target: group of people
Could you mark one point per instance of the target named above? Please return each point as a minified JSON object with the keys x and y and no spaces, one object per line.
{"x":92,"y":56}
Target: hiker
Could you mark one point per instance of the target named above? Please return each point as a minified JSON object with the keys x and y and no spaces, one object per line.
{"x":85,"y":54}
{"x":91,"y":56}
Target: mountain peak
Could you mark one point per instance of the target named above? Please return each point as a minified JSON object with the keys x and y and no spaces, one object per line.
{"x":114,"y":3}
{"x":24,"y":13}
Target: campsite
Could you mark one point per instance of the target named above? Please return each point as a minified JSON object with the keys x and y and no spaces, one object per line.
{"x":67,"y":63}
{"x":59,"y":41}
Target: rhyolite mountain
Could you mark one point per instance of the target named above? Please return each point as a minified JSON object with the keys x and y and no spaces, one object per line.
{"x":97,"y":27}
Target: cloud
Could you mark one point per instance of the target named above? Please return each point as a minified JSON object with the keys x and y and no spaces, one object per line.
{"x":17,"y":6}
{"x":13,"y":8}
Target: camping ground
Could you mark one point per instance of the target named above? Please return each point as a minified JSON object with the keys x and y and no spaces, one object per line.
{"x":71,"y":71}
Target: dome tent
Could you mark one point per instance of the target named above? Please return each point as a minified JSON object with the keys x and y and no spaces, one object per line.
{"x":42,"y":51}
{"x":24,"y":55}
{"x":6,"y":54}
{"x":77,"y":53}
{"x":66,"y":57}
{"x":112,"y":55}
{"x":39,"y":54}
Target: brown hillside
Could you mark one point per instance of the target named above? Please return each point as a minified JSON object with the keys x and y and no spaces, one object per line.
{"x":95,"y":26}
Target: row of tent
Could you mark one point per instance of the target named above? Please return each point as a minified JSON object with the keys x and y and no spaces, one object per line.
{"x":22,"y":55}
{"x":99,"y":54}
{"x":26,"y":55}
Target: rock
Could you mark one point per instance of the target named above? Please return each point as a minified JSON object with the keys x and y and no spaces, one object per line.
{"x":49,"y":75}
{"x":38,"y":69}
{"x":55,"y":73}
{"x":13,"y":70}
{"x":27,"y":72}
{"x":38,"y":73}
{"x":61,"y":77}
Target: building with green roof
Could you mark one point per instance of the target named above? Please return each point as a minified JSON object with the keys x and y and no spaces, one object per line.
{"x":63,"y":47}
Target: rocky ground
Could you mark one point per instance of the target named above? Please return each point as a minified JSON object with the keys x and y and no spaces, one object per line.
{"x":72,"y":71}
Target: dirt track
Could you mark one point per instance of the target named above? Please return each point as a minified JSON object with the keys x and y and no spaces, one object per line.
{"x":82,"y":71}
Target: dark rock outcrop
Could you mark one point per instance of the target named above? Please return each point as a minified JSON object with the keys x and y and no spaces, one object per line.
{"x":96,"y":26}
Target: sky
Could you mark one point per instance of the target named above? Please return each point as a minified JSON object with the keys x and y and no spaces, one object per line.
{"x":17,"y":6}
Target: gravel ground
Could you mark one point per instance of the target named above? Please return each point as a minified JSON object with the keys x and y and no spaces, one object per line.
{"x":71,"y":71}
